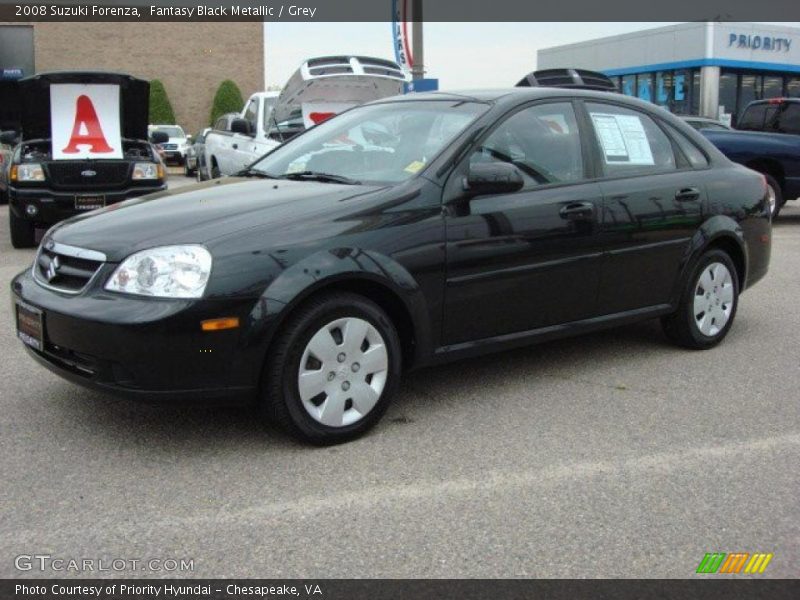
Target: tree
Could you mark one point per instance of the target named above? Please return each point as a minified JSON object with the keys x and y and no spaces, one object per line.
{"x":227,"y":99}
{"x":160,"y":106}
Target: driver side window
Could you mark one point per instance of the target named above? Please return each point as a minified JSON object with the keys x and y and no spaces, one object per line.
{"x":542,"y":141}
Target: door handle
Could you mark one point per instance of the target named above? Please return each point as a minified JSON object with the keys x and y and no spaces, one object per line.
{"x":577,"y":211}
{"x":236,"y":146}
{"x":685,"y":194}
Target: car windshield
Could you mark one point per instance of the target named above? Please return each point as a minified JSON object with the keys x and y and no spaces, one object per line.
{"x":173,"y":132}
{"x":378,"y":143}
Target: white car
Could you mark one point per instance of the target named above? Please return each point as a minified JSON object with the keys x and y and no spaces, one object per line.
{"x":177,"y":145}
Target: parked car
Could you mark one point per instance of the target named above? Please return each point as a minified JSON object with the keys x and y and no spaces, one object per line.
{"x":6,"y":151}
{"x":176,"y":144}
{"x":9,"y":126}
{"x":195,"y":155}
{"x":320,"y":88}
{"x":701,"y":123}
{"x":775,"y":155}
{"x":400,"y":234}
{"x":48,"y":180}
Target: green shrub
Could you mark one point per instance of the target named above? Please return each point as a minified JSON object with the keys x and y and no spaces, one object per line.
{"x":227,"y":99}
{"x":160,"y":107}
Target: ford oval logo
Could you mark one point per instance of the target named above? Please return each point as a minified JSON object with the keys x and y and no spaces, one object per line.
{"x":88,"y":173}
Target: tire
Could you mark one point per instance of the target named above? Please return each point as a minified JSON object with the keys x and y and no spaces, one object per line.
{"x":714,"y":280}
{"x":775,"y":195}
{"x":3,"y":197}
{"x":187,"y":172}
{"x":323,"y":344}
{"x":23,"y":234}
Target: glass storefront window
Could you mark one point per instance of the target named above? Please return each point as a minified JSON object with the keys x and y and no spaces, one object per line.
{"x":773,"y":86}
{"x":793,"y":87}
{"x":695,"y":92}
{"x":664,"y":89}
{"x":645,"y":86}
{"x":749,"y":90}
{"x":629,"y":85}
{"x":727,"y":95}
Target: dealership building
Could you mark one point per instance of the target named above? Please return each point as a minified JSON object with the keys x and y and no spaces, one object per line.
{"x":710,"y":69}
{"x":190,"y":59}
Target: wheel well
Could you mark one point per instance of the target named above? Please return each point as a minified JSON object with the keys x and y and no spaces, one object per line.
{"x":732,"y":249}
{"x":770,"y":167}
{"x":383,"y":297}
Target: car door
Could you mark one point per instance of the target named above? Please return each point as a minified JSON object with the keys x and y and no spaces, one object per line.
{"x":529,"y":259}
{"x":245,"y":145}
{"x":653,"y":203}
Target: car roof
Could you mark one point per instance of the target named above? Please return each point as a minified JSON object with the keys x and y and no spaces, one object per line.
{"x":521,"y":94}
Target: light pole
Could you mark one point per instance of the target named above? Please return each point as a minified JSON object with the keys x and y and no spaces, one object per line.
{"x":418,"y":70}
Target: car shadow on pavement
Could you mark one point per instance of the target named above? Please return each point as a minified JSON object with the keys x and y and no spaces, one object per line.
{"x":171,"y":429}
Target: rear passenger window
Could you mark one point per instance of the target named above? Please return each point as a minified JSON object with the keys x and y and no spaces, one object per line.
{"x":541,"y":141}
{"x":695,"y":156}
{"x":789,"y":121}
{"x":753,"y":118}
{"x":630,"y":142}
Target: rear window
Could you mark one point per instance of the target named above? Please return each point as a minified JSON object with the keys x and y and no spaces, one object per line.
{"x":753,"y":117}
{"x":789,"y":119}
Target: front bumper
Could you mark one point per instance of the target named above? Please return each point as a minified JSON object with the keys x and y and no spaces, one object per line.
{"x":55,"y":206}
{"x":144,"y":348}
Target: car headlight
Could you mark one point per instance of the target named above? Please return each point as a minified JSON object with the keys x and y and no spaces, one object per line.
{"x":27,"y":172}
{"x":147,"y":170}
{"x":165,"y":272}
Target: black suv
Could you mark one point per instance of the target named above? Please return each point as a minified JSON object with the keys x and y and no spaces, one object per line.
{"x":42,"y":191}
{"x":399,"y":234}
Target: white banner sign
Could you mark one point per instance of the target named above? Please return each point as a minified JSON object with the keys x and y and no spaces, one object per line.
{"x":315,"y":113}
{"x":84,"y":121}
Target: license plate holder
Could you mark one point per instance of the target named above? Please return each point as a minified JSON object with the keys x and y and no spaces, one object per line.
{"x":30,"y":325}
{"x":90,"y":202}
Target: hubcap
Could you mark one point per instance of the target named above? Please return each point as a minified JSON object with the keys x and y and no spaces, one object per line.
{"x":342,"y":372}
{"x":713,"y":299}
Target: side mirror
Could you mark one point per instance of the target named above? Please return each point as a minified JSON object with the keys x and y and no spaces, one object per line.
{"x":8,"y":137}
{"x":241,"y":126}
{"x":189,"y":139}
{"x":159,"y":137}
{"x":493,"y":178}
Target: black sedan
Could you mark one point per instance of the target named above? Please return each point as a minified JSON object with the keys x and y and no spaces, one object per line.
{"x":399,"y":234}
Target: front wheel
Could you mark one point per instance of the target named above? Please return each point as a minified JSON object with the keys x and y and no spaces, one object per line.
{"x":333,"y":370}
{"x":708,"y":303}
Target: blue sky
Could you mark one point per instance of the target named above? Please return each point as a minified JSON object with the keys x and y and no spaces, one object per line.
{"x":461,"y":55}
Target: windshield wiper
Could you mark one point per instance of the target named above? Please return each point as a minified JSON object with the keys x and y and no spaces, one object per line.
{"x":250,"y":172}
{"x":324,"y":177}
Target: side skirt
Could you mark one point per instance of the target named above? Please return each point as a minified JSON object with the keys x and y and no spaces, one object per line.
{"x":543,"y":334}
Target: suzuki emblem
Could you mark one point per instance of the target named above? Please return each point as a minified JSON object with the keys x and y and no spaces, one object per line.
{"x":52,"y":269}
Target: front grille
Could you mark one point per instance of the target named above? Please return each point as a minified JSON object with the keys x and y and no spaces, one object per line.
{"x":65,"y":268}
{"x":169,"y":146}
{"x":87,"y":175}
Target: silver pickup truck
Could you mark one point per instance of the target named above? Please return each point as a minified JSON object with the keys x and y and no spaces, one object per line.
{"x":319,"y":89}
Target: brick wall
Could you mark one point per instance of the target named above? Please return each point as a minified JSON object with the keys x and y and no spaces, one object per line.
{"x":191,"y":59}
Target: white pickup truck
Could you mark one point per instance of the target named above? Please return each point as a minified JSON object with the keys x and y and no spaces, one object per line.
{"x":319,"y":89}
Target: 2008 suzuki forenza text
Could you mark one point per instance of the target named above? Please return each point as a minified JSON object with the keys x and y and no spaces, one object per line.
{"x":395,"y":235}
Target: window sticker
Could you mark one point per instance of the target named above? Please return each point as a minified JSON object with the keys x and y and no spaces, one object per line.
{"x":414,"y":167}
{"x":623,"y":139}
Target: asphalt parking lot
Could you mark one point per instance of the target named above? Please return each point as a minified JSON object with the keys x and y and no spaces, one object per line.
{"x":612,"y":455}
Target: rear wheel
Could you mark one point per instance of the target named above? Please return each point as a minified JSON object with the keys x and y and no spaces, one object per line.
{"x":708,"y":303}
{"x":333,"y":370}
{"x":775,"y":198}
{"x":23,"y":234}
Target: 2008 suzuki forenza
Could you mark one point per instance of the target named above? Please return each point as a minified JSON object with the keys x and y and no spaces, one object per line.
{"x":398,"y":234}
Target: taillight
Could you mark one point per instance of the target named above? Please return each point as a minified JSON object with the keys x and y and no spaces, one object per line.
{"x":776,"y":100}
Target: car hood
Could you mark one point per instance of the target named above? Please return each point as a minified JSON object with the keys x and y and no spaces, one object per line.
{"x":203,"y":213}
{"x":34,"y":96}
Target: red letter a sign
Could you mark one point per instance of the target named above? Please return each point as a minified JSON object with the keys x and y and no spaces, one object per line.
{"x":86,"y":130}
